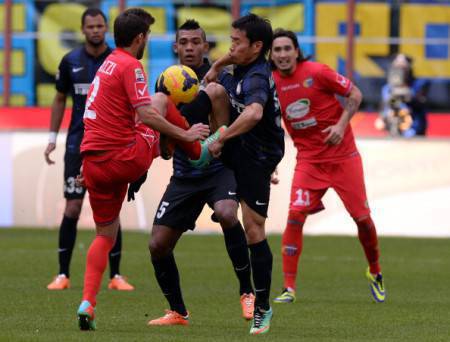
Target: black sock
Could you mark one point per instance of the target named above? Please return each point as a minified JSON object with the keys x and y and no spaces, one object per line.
{"x":166,"y":273}
{"x":237,"y":249}
{"x":115,"y":255}
{"x":261,"y":260}
{"x":67,"y":237}
{"x":198,"y":110}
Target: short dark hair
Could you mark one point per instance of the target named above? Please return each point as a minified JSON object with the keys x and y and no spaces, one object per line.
{"x":279,"y":32}
{"x":256,"y":29}
{"x":129,"y":24}
{"x":92,"y":12}
{"x":191,"y":25}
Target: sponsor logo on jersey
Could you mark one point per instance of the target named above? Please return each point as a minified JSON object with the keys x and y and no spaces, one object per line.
{"x":107,"y":67}
{"x":297,"y":109}
{"x":290,"y":87}
{"x":342,"y":81}
{"x":139,"y":73}
{"x":81,"y":88}
{"x":77,"y":69}
{"x":141,"y":90}
{"x":308,"y":82}
{"x":304,"y":123}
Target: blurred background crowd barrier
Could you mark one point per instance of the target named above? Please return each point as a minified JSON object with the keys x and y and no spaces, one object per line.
{"x":43,"y":31}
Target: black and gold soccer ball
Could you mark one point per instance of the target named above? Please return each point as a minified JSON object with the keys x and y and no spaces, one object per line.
{"x":179,"y":82}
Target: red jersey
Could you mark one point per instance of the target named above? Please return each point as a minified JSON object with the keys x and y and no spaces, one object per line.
{"x":309,"y":105}
{"x":119,"y":87}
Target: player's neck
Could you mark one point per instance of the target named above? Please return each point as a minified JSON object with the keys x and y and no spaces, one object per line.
{"x":288,"y":72}
{"x":95,"y":50}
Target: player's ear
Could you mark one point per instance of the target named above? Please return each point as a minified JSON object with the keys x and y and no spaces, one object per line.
{"x":257,"y":46}
{"x":175,"y":48}
{"x":205,"y":47}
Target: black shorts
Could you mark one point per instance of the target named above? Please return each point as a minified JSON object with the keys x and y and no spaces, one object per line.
{"x":184,"y":199}
{"x":252,"y":176}
{"x":72,"y":165}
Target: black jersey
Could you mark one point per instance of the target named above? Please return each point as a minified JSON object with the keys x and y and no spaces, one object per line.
{"x":76,"y":72}
{"x":249,"y":84}
{"x":194,"y":113}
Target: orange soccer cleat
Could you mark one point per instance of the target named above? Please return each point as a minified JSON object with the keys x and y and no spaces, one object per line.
{"x":248,"y":305}
{"x":170,"y":318}
{"x":119,"y":283}
{"x":60,"y":282}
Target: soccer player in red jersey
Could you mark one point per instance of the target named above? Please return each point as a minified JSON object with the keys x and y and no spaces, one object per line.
{"x":327,"y":155}
{"x":119,"y":146}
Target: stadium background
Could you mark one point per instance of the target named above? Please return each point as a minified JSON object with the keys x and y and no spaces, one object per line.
{"x":408,"y":180}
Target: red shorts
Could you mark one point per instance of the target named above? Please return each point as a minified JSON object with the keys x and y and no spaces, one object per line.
{"x":107,"y":175}
{"x":312,"y":180}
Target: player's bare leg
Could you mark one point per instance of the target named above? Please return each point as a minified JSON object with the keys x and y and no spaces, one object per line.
{"x":220,"y":103}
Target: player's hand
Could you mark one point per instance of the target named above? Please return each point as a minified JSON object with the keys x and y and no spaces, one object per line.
{"x":215,"y":149}
{"x":335,"y":134}
{"x":135,"y":186}
{"x":274,"y":177}
{"x":79,"y":180}
{"x":211,"y":76}
{"x":50,"y":148}
{"x":198,"y":131}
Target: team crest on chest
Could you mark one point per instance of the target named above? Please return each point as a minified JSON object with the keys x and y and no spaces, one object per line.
{"x":308,"y":82}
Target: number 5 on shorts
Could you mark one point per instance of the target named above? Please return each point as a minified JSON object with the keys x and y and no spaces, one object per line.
{"x":162,"y":209}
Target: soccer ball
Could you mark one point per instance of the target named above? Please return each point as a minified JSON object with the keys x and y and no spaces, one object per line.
{"x":179,"y":82}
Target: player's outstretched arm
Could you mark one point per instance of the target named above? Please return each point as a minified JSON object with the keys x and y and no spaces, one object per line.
{"x":151,"y":117}
{"x":57,"y":114}
{"x":336,"y":132}
{"x":216,"y":68}
{"x":248,"y":119}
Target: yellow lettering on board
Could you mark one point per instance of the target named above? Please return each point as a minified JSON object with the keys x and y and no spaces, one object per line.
{"x":414,"y":19}
{"x":374,"y":22}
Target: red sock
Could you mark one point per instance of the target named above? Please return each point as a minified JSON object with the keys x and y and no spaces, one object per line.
{"x":173,"y":115}
{"x":292,"y":244}
{"x":96,"y":261}
{"x":368,"y":237}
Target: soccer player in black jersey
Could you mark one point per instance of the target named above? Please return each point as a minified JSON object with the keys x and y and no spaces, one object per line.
{"x":245,"y":99}
{"x":76,"y":72}
{"x":188,"y":192}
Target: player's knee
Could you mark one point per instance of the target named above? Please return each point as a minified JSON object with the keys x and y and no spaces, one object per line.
{"x":226,"y":216}
{"x":215,"y":90}
{"x":158,"y":249}
{"x":254,"y":233}
{"x":73,"y":208}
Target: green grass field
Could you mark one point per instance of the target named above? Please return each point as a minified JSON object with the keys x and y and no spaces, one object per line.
{"x":333,"y":303}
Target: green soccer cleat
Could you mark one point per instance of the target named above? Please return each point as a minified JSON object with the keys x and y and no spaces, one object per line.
{"x":376,"y":286}
{"x":86,"y":314}
{"x":261,"y":321}
{"x":287,"y":296}
{"x":205,"y":156}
